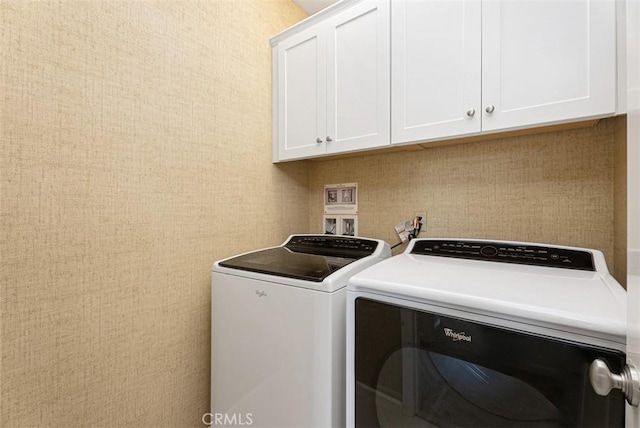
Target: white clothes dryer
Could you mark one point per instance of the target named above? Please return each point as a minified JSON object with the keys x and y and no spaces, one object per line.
{"x":485,"y":333}
{"x":278,"y":331}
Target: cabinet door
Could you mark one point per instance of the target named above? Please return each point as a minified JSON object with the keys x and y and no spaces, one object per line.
{"x":547,"y":61}
{"x":358,"y":82}
{"x":302,"y":94}
{"x":435,"y":72}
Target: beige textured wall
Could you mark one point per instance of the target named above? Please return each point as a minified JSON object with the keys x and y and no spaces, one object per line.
{"x":135,"y":148}
{"x":553,"y":188}
{"x":620,"y":199}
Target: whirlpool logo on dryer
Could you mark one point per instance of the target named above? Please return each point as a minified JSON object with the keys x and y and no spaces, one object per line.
{"x":456,"y":336}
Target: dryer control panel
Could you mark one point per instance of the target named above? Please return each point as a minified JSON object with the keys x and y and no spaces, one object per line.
{"x":506,"y":252}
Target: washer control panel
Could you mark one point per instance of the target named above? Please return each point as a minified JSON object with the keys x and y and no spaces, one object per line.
{"x":506,"y":252}
{"x":341,"y":246}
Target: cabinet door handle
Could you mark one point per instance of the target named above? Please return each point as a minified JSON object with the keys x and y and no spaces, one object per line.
{"x":329,"y":139}
{"x":471,"y":112}
{"x":490,"y":108}
{"x":319,"y":140}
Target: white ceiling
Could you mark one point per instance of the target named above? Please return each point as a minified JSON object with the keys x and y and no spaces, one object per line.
{"x":313,"y":6}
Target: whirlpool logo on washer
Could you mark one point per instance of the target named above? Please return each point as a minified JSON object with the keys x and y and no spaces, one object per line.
{"x":457,"y":336}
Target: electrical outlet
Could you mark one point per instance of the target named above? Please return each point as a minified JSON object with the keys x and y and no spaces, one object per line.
{"x":423,"y":216}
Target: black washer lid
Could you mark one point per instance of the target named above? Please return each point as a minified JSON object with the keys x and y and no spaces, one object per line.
{"x":305,"y":257}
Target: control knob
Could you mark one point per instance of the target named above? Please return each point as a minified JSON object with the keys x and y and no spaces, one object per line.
{"x":488,"y":251}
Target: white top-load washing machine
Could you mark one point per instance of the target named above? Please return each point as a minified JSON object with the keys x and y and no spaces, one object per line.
{"x":480,"y":333}
{"x":278,"y":331}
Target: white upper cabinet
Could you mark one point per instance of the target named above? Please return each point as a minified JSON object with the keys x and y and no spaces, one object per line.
{"x":435,"y":69}
{"x":547,"y":61}
{"x":333,"y":84}
{"x":302,"y":94}
{"x":358,"y":85}
{"x":364,"y":74}
{"x":462,"y":67}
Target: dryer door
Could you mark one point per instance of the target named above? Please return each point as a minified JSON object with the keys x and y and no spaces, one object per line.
{"x":633,"y":332}
{"x":422,"y":369}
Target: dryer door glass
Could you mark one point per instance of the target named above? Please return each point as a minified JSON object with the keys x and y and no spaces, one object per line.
{"x":418,"y":369}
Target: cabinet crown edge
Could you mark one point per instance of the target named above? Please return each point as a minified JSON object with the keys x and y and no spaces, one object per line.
{"x":313,"y":19}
